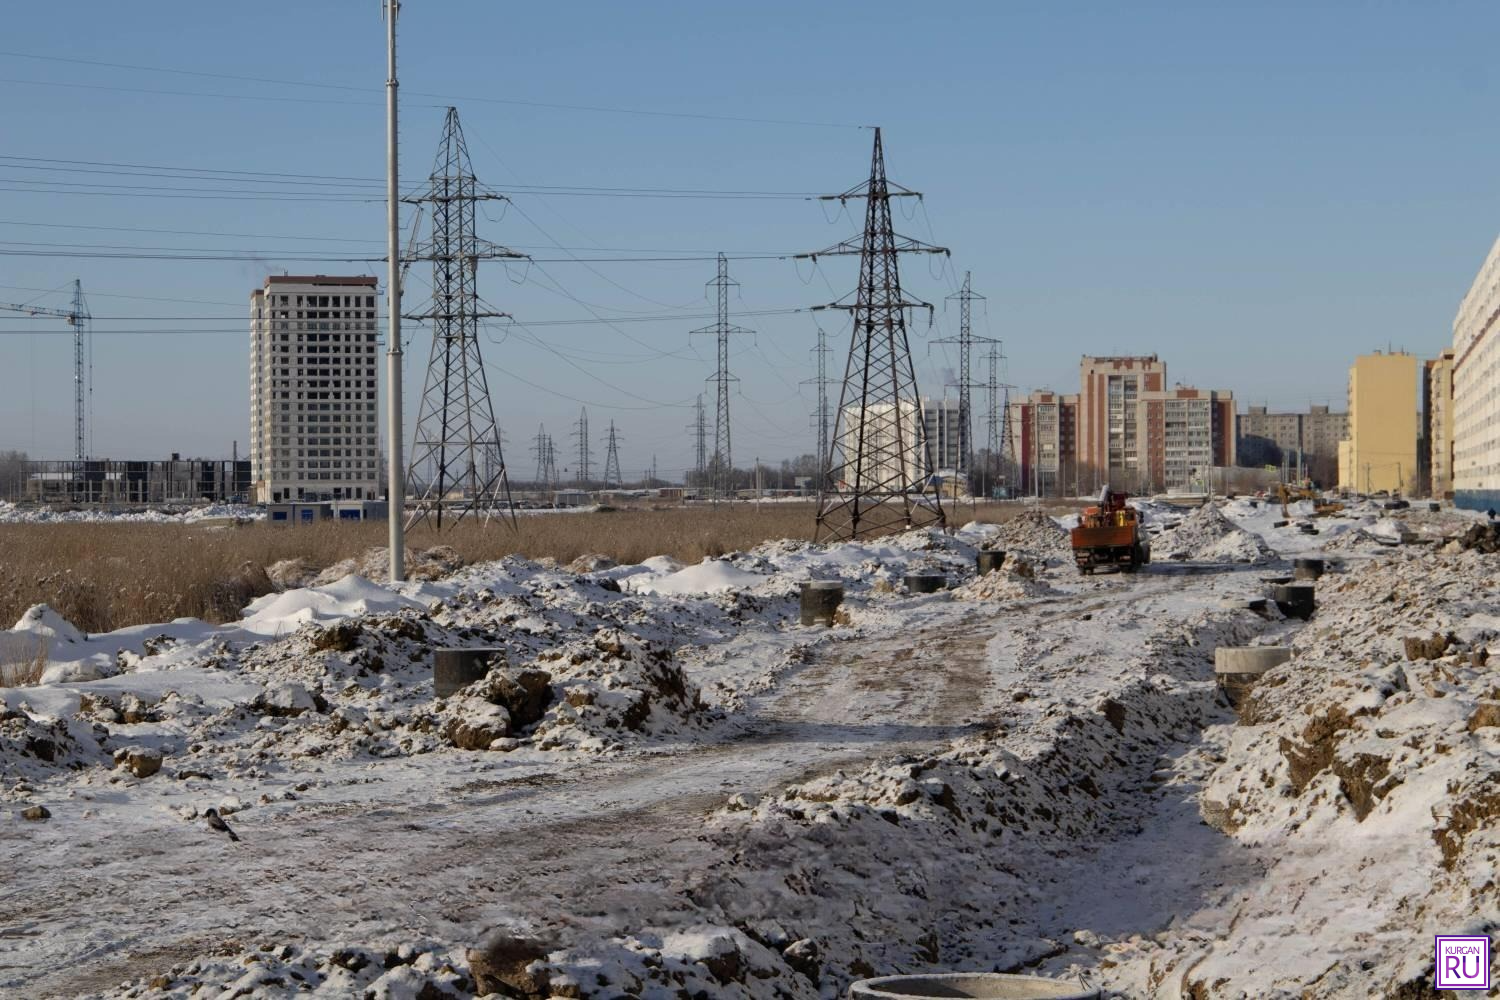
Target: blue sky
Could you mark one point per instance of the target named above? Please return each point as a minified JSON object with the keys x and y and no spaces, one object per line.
{"x":1256,"y":192}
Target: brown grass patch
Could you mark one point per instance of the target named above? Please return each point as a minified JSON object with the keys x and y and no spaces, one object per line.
{"x":106,"y":576}
{"x":23,"y":658}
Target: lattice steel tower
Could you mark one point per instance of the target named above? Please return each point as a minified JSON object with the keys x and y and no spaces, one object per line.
{"x":540,"y":451}
{"x":723,"y":459}
{"x":880,"y":465}
{"x":966,"y":341}
{"x":585,"y":456}
{"x":612,"y":472}
{"x":455,"y":420}
{"x":823,"y":415}
{"x":699,"y":427}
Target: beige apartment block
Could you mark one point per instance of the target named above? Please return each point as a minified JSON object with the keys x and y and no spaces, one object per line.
{"x":1381,"y":450}
{"x":314,"y":430}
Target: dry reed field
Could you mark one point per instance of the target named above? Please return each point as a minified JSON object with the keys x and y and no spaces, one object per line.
{"x":104,"y":576}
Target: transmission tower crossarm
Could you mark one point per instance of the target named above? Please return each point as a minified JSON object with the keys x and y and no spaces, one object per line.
{"x":853,"y":247}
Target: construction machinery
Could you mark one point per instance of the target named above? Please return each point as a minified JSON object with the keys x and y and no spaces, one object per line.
{"x":1292,"y":494}
{"x":1110,"y":534}
{"x":78,"y":318}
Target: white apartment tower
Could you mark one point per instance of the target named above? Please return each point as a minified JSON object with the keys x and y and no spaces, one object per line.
{"x":1476,"y":405}
{"x":314,"y":427}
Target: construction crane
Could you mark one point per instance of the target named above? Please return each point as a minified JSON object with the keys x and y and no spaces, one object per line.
{"x":78,"y":318}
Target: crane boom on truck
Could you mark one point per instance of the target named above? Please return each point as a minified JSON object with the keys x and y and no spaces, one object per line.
{"x":1110,"y":534}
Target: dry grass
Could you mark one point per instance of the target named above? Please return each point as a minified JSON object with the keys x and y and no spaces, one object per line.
{"x":23,"y":659}
{"x":107,"y":576}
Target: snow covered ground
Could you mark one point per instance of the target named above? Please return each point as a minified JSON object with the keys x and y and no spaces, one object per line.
{"x":11,"y":513}
{"x":667,"y":787}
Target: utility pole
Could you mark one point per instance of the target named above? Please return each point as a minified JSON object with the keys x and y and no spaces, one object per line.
{"x":821,"y":417}
{"x":582,"y":434}
{"x":612,"y":472}
{"x":395,"y":513}
{"x":723,"y":459}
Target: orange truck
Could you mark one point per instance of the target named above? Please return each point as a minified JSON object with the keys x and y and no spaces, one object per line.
{"x":1110,"y":534}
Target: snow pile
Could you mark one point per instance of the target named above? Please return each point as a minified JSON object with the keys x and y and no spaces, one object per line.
{"x":1206,"y":535}
{"x":1365,"y":773}
{"x":590,"y":695}
{"x":1037,"y":534}
{"x":708,"y":577}
{"x":1015,"y":581}
{"x":34,"y":747}
{"x":1390,"y":531}
{"x":41,"y":621}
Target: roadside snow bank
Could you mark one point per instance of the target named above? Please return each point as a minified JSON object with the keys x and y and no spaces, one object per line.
{"x":1367,"y":772}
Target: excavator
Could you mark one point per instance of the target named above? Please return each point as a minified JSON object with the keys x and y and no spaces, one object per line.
{"x":1110,"y":534}
{"x":1291,"y":494}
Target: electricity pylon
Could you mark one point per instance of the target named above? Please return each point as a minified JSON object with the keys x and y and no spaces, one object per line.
{"x":455,"y":421}
{"x":965,"y":341}
{"x":723,"y":460}
{"x":880,"y":465}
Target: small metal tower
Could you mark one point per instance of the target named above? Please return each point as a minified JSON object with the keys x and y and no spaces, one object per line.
{"x":585,"y":456}
{"x":612,"y":475}
{"x":699,"y":427}
{"x":723,"y":459}
{"x":822,"y":416}
{"x":965,"y":341}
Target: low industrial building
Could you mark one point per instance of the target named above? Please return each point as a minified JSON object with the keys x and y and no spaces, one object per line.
{"x":128,"y":482}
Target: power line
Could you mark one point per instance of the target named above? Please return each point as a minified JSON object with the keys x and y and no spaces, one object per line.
{"x":447,"y":99}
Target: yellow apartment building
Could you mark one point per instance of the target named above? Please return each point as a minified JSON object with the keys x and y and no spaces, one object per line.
{"x":1381,"y":450}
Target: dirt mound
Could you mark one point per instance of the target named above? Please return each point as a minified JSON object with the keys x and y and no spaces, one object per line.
{"x":1368,"y":753}
{"x":1206,"y":535}
{"x":1013,"y":583}
{"x":1034,"y":532}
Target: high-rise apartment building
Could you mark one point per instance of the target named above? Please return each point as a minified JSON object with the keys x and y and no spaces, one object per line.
{"x":1310,"y":439}
{"x":943,"y":421}
{"x":1043,"y":427}
{"x":1186,"y":433}
{"x":314,"y":427}
{"x":1437,"y":410}
{"x":1476,"y":404}
{"x":1380,"y":452}
{"x":894,"y":446}
{"x":1110,"y":445}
